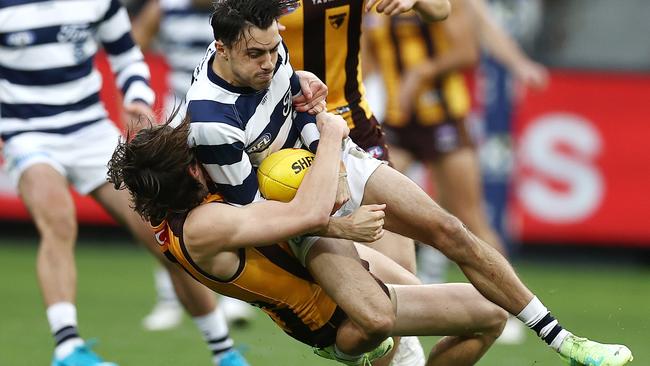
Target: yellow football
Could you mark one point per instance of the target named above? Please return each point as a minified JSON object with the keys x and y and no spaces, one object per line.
{"x":281,"y":173}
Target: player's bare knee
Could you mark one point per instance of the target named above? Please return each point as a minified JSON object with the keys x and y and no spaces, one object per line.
{"x":449,"y":237}
{"x":496,"y":321}
{"x":376,"y":320}
{"x":500,"y":318}
{"x":380,"y":326}
{"x":57,"y":229}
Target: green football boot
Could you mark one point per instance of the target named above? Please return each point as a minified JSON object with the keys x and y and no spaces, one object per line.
{"x":365,"y":360}
{"x":583,"y":352}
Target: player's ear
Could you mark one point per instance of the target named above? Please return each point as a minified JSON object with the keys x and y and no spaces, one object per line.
{"x":195,"y":170}
{"x":221,"y":49}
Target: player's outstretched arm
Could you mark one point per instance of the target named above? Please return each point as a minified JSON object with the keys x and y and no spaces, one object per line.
{"x":506,"y":50}
{"x":213,"y":228}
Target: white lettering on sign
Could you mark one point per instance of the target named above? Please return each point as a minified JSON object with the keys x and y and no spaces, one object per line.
{"x":572,"y":168}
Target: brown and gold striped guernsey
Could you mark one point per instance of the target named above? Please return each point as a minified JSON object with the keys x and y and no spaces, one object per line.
{"x":403,"y":42}
{"x":324,"y":37}
{"x":269,"y":277}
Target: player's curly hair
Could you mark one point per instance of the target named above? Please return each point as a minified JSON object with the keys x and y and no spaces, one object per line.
{"x":154,"y":167}
{"x":232,"y":17}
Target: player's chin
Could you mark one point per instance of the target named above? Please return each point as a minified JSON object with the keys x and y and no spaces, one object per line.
{"x":263,"y":81}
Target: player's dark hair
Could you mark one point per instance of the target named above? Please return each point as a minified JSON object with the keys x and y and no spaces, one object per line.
{"x":154,"y":167}
{"x":232,"y":17}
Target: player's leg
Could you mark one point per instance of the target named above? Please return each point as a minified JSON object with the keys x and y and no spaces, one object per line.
{"x":458,"y":180}
{"x":36,"y":164}
{"x":197,"y":299}
{"x":412,"y":213}
{"x":336,"y":267}
{"x":369,"y":136}
{"x":456,"y":310}
{"x":45,"y":193}
{"x":397,"y":247}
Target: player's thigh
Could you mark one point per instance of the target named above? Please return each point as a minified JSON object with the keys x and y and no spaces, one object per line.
{"x":398,"y":248}
{"x":409,"y":210}
{"x":385,"y":268}
{"x":44,"y":190}
{"x":445,"y":309}
{"x":458,"y":180}
{"x":337,"y":268}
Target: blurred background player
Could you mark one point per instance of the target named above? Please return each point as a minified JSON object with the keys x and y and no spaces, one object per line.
{"x":180,"y":30}
{"x":427,"y":105}
{"x":56,"y":132}
{"x":325,"y":39}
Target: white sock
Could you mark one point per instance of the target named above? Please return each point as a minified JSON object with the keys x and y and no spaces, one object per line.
{"x":214,"y":328}
{"x":537,"y":317}
{"x":533,"y":312}
{"x":62,"y":317}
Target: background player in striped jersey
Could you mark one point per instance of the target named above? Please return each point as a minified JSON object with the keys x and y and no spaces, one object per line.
{"x":55,"y":132}
{"x":240,"y":111}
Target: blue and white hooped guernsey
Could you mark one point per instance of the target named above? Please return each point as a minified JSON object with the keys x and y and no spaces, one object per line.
{"x":47,"y":79}
{"x":234,"y":128}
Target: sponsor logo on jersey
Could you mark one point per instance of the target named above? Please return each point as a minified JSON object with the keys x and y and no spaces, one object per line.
{"x":260,"y":144}
{"x":320,"y":2}
{"x":376,"y":151}
{"x":21,"y":39}
{"x":337,"y":20}
{"x":286,"y":103}
{"x":161,"y":236}
{"x":74,"y":33}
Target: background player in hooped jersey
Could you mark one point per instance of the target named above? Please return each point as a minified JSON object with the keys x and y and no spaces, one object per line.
{"x":180,"y":30}
{"x":240,"y":110}
{"x":56,"y":132}
{"x":244,"y":252}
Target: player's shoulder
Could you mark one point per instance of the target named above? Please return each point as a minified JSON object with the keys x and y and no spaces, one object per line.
{"x":199,"y":227}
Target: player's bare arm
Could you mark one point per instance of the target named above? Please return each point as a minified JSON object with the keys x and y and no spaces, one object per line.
{"x":213,"y":228}
{"x":506,"y":50}
{"x":429,"y":10}
{"x":364,"y":225}
{"x":146,"y":24}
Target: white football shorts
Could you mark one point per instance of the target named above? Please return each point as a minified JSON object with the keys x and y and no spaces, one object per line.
{"x":359,"y":166}
{"x":80,"y":156}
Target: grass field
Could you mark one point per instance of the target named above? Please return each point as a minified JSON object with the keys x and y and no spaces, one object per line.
{"x":610,"y":303}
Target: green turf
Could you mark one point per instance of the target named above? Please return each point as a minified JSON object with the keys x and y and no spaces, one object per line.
{"x":115,"y":291}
